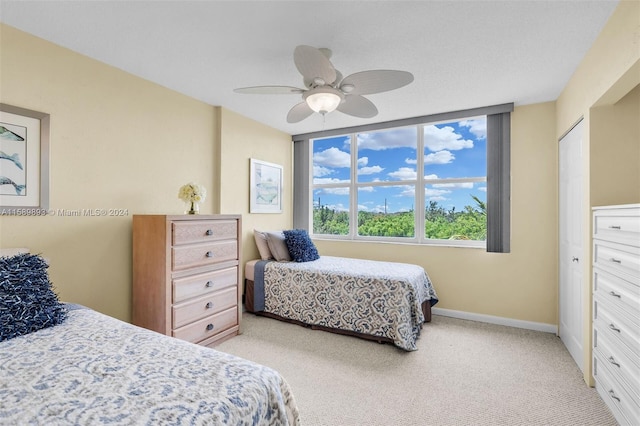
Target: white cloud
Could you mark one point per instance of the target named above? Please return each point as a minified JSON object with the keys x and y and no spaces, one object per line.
{"x":337,"y":207}
{"x":478,"y":127}
{"x":397,"y":138}
{"x":483,"y":189}
{"x":440,"y":157}
{"x":334,"y":191}
{"x":430,"y":192}
{"x":332,"y":157}
{"x":323,"y":181}
{"x":363,"y":161}
{"x":439,"y":139}
{"x":370,"y":170}
{"x":319,"y":171}
{"x":404,"y":173}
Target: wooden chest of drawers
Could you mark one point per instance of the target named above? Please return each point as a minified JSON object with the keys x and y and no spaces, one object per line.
{"x":616,"y":309}
{"x":186,"y":275}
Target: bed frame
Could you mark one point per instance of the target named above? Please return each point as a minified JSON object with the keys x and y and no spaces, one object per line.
{"x":248,"y":305}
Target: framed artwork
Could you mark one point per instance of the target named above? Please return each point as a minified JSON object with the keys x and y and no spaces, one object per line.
{"x":265,"y":191}
{"x":24,"y":160}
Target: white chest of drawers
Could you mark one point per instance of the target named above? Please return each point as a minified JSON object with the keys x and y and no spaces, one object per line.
{"x":616,"y":309}
{"x":186,"y":275}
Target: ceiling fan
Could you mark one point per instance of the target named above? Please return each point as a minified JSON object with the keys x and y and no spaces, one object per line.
{"x":326,"y":90}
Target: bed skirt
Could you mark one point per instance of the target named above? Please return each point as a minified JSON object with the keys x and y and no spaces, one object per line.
{"x":249,"y":307}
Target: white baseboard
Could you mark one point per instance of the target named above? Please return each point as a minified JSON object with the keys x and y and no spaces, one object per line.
{"x":509,"y":322}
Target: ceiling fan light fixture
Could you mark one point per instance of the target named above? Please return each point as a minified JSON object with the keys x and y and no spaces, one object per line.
{"x":323,"y":99}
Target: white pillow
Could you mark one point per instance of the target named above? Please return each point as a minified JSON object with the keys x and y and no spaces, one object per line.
{"x":278,"y":246}
{"x":262,"y":244}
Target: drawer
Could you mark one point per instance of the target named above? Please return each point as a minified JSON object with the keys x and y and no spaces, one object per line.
{"x":618,"y":225}
{"x":617,"y":258}
{"x":616,"y":291}
{"x":200,"y":231}
{"x":618,"y":328}
{"x":184,"y":257}
{"x":624,"y":408}
{"x":204,"y":306}
{"x":207,"y":327}
{"x":201,"y":284}
{"x":623,"y":369}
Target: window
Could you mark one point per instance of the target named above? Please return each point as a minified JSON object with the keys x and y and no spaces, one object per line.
{"x":439,"y":180}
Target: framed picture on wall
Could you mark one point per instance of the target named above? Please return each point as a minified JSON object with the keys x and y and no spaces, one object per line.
{"x":24,"y":161}
{"x":265,"y":190}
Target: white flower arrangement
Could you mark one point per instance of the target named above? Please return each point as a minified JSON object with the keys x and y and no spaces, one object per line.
{"x":192,"y":193}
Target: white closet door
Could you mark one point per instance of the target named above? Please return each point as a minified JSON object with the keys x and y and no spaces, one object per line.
{"x":570,"y":250}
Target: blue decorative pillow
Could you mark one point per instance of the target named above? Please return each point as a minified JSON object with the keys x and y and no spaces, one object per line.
{"x":27,"y":300}
{"x":300,"y":246}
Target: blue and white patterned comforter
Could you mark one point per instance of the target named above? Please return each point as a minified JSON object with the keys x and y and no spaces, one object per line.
{"x":94,"y":369}
{"x":371,"y":297}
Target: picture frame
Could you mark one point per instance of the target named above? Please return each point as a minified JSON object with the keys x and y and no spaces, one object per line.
{"x":265,"y":192}
{"x":24,"y":160}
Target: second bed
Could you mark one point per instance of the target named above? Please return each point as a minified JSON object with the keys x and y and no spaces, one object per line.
{"x":382,"y":301}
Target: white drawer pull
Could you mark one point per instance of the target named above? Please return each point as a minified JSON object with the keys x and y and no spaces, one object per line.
{"x":209,"y":232}
{"x":613,"y":395}
{"x":209,"y":284}
{"x":613,"y":361}
{"x":209,"y":254}
{"x":209,"y":305}
{"x":615,"y":227}
{"x":614,"y":294}
{"x":210,"y":327}
{"x":614,"y":260}
{"x":614,"y":328}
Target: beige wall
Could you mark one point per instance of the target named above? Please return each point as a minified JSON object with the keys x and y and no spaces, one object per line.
{"x":602,"y":91}
{"x":118,"y":141}
{"x":615,"y":151}
{"x":241,"y":140}
{"x":522,"y":284}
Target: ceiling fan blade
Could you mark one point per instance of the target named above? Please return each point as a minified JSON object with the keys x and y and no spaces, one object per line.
{"x":375,"y":81}
{"x":299,"y":112}
{"x":312,"y":64}
{"x":358,"y":106}
{"x":269,"y":90}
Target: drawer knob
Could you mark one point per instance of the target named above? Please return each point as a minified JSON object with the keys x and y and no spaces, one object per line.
{"x":209,"y":305}
{"x":612,"y":394}
{"x":614,"y":328}
{"x":615,"y":227}
{"x":614,"y":294}
{"x":209,"y":284}
{"x":614,"y":260}
{"x":209,"y":327}
{"x":209,"y":232}
{"x":612,"y":360}
{"x":209,"y":254}
{"x":575,"y":259}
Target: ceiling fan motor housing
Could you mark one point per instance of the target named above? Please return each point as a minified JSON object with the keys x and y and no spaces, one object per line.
{"x":323,"y":99}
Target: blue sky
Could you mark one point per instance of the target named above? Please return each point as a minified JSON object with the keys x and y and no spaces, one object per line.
{"x":451,"y":150}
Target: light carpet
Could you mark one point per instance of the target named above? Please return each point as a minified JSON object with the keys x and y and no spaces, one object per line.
{"x":463,"y":373}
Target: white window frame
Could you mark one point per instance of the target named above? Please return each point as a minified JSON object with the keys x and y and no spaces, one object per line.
{"x":419,"y":184}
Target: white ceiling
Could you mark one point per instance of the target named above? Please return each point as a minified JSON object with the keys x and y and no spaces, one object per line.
{"x":463,"y":54}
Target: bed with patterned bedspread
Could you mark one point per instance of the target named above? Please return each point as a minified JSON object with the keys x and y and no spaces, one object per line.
{"x":385,"y":301}
{"x":93,"y":369}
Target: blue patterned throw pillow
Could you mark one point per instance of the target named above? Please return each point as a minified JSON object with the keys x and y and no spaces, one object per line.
{"x":300,"y":245}
{"x":27,"y":300}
